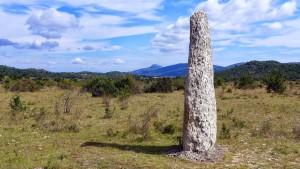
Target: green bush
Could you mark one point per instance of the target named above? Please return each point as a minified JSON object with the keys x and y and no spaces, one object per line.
{"x":8,"y":83}
{"x":275,"y":81}
{"x":65,"y":84}
{"x":245,"y":82}
{"x":17,"y":105}
{"x":25,"y":85}
{"x":73,"y":128}
{"x":169,"y":129}
{"x":225,"y":132}
{"x":1,"y":77}
{"x":179,"y":83}
{"x":219,"y":82}
{"x":109,"y":113}
{"x":101,"y":86}
{"x":163,"y":85}
{"x":125,"y":85}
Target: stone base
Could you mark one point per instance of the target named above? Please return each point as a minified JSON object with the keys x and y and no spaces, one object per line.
{"x":211,"y":156}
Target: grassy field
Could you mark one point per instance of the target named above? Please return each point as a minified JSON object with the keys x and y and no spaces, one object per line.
{"x":259,"y":130}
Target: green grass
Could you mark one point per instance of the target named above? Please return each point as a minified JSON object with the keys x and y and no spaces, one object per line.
{"x":80,"y":139}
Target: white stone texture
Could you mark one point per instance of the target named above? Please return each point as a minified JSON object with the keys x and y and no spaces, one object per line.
{"x":200,"y":115}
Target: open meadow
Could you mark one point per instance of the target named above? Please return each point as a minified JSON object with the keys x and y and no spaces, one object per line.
{"x":71,"y":129}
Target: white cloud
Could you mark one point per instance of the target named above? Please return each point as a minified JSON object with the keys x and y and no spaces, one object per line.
{"x":218,"y":49}
{"x":107,"y":26}
{"x":77,"y":61}
{"x":145,"y":9}
{"x":119,"y":61}
{"x":287,"y":37}
{"x":51,"y":23}
{"x":110,"y":48}
{"x":174,"y":37}
{"x":52,"y":62}
{"x":222,"y":43}
{"x":38,"y":45}
{"x":231,"y":22}
{"x":275,"y":26}
{"x":26,"y":45}
{"x":237,"y":15}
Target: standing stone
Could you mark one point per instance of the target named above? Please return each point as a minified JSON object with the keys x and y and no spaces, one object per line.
{"x":200,"y":116}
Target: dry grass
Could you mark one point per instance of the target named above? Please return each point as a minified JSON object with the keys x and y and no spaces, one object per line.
{"x":84,"y":139}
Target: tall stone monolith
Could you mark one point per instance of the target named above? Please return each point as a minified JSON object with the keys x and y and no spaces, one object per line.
{"x":200,"y":116}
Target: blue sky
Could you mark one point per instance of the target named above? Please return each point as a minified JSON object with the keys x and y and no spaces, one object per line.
{"x":108,"y":35}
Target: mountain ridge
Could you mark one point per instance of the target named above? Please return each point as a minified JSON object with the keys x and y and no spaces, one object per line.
{"x":232,"y":72}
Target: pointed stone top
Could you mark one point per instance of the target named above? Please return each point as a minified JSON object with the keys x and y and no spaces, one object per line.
{"x":201,"y":13}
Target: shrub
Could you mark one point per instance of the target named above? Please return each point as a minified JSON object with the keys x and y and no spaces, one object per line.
{"x":245,"y":82}
{"x":73,"y":128}
{"x":169,"y":129}
{"x":163,"y":85}
{"x":225,"y":132}
{"x":7,"y":83}
{"x":229,"y":90}
{"x":111,"y":133}
{"x":275,"y":81}
{"x":179,"y":83}
{"x":66,"y":101}
{"x":109,"y":113}
{"x":101,"y":86}
{"x":126,"y":85}
{"x":2,"y":76}
{"x":219,"y":82}
{"x":17,"y":105}
{"x":25,"y":85}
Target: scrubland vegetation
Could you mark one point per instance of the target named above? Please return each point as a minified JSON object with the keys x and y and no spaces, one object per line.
{"x":130,"y":123}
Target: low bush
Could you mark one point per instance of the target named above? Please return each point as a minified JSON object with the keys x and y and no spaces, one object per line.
{"x":169,"y":129}
{"x":245,"y":82}
{"x":73,"y":128}
{"x":275,"y":81}
{"x":225,"y":132}
{"x":111,"y":133}
{"x":17,"y":105}
{"x":162,"y":85}
{"x":219,"y":82}
{"x":109,"y":113}
{"x":25,"y":85}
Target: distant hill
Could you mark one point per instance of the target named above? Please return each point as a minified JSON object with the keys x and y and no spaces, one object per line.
{"x":259,"y":69}
{"x":256,"y":68}
{"x":40,"y":73}
{"x":235,"y":65}
{"x":146,"y":70}
{"x":169,"y":71}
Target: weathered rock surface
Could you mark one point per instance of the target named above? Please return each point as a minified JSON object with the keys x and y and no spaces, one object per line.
{"x":200,"y":116}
